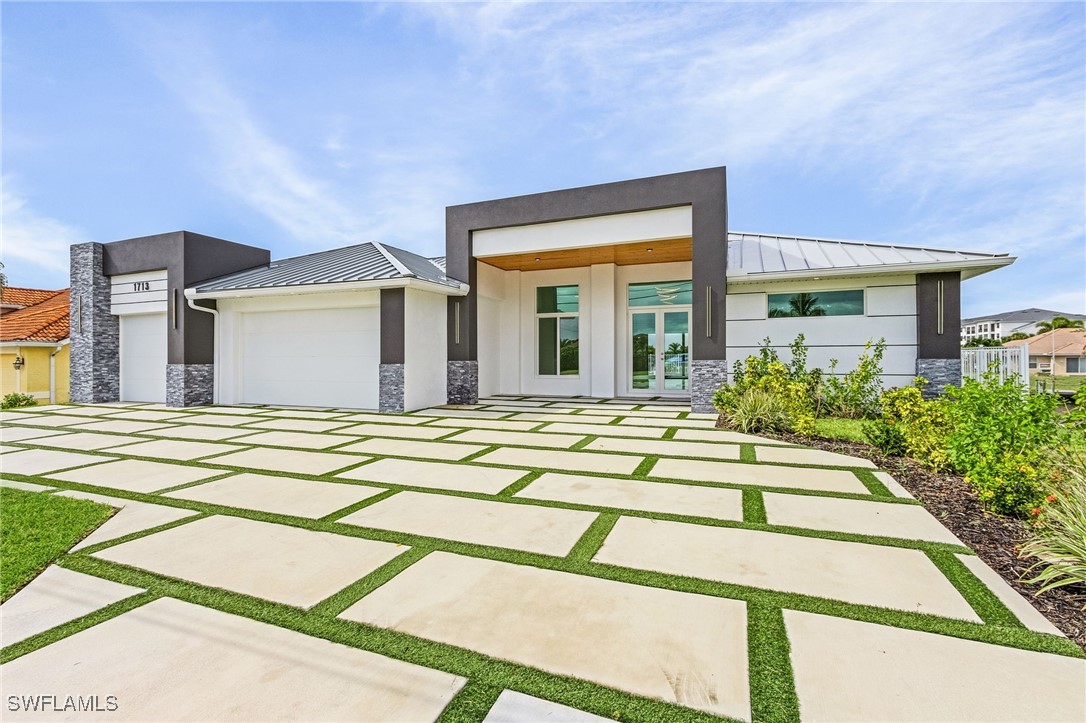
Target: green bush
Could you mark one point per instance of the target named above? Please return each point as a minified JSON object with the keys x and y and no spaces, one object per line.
{"x":757,"y":410}
{"x":15,"y":400}
{"x":791,"y":385}
{"x":911,"y":425}
{"x":855,"y":395}
{"x":998,"y":439}
{"x":1059,"y":538}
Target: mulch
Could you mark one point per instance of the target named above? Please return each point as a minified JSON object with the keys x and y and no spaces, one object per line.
{"x":995,"y":539}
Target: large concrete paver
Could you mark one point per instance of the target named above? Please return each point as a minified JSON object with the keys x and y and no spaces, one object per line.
{"x":513,"y":707}
{"x":892,"y":485}
{"x":762,"y":475}
{"x":665,"y":447}
{"x":198,"y":432}
{"x":847,"y":670}
{"x":508,"y":424}
{"x":723,"y":435}
{"x":888,"y":519}
{"x":55,"y":597}
{"x":121,"y":426}
{"x":182,"y":450}
{"x":802,"y":455}
{"x":289,"y":461}
{"x":1018,"y":605}
{"x":889,"y":577}
{"x":44,"y":420}
{"x":523,"y":439}
{"x":384,"y":418}
{"x":606,"y":430}
{"x":284,"y":564}
{"x":302,"y":414}
{"x":396,"y":431}
{"x":44,"y":461}
{"x":132,"y":516}
{"x":301,"y":440}
{"x":545,"y":416}
{"x":437,"y":451}
{"x":150,"y":415}
{"x":171,"y":660}
{"x":221,"y":420}
{"x":454,"y":412}
{"x":278,"y":495}
{"x":21,"y":434}
{"x":136,"y":475}
{"x":554,"y":459}
{"x":681,"y":423}
{"x":25,"y":486}
{"x":436,"y":475}
{"x":679,"y":647}
{"x":84,"y":441}
{"x":299,"y":425}
{"x":668,"y":497}
{"x":546,"y":530}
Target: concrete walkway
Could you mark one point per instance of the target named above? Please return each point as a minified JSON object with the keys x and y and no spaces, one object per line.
{"x":523,"y":559}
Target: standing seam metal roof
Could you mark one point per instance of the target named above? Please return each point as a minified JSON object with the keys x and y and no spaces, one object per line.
{"x":369,"y":261}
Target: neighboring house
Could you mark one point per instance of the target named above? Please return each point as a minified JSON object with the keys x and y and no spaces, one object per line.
{"x":34,"y":343}
{"x":1058,"y":352}
{"x":630,"y":289}
{"x":997,"y":326}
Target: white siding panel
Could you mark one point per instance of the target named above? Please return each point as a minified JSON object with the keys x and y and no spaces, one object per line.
{"x":824,"y":330}
{"x":143,"y":358}
{"x":891,"y":300}
{"x":746,"y":306}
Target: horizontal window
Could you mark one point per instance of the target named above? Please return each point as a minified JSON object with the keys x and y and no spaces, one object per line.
{"x":817,"y":303}
{"x":557,"y":299}
{"x":662,"y":293}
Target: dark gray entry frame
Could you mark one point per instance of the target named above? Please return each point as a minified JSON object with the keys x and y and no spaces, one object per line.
{"x":705,"y":191}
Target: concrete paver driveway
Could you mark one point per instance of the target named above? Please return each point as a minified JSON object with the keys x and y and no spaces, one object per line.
{"x":523,"y":559}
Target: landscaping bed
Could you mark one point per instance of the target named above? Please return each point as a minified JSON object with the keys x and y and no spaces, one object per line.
{"x":995,"y":539}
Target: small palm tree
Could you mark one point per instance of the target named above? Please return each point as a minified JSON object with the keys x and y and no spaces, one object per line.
{"x":1059,"y":322}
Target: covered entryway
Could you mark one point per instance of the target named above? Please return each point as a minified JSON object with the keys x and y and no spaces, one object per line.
{"x":311,"y":357}
{"x":143,"y":357}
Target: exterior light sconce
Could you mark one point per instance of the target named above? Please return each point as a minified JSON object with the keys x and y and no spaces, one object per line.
{"x":537,"y":258}
{"x":648,"y":251}
{"x":19,"y":363}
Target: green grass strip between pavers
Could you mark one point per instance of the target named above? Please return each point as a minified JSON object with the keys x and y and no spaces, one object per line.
{"x":772,"y":684}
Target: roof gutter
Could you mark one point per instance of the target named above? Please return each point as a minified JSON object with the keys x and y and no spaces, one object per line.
{"x":969,"y":269}
{"x":411,"y":283}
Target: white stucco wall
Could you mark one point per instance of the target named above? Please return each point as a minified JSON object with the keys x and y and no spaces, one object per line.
{"x":425,"y":349}
{"x":890,"y":312}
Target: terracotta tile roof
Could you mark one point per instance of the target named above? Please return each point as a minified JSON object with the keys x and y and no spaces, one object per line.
{"x":18,"y":296}
{"x":1066,"y":342}
{"x":45,"y":321}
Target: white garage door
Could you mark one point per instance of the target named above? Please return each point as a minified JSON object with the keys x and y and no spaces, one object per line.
{"x":313,"y":357}
{"x":143,"y":358}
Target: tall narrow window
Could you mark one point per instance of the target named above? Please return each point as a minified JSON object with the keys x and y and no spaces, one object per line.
{"x":557,"y":311}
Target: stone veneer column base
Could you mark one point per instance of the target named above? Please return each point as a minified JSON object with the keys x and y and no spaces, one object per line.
{"x":940,"y":373}
{"x":95,"y":367}
{"x":706,"y":376}
{"x":190,"y":385}
{"x":463,"y":382}
{"x":390,"y":392}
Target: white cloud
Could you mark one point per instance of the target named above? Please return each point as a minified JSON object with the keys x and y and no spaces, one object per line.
{"x":29,"y":237}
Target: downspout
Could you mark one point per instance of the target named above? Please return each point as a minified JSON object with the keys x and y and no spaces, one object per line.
{"x":215,"y":341}
{"x":53,"y":370}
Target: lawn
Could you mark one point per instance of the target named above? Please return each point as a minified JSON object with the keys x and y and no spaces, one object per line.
{"x":36,"y":529}
{"x":1063,"y":383}
{"x":837,"y":428}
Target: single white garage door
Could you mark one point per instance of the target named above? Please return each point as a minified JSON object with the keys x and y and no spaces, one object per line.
{"x":143,"y":358}
{"x":311,"y":357}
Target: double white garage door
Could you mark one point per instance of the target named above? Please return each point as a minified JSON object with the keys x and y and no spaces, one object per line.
{"x":310,"y":357}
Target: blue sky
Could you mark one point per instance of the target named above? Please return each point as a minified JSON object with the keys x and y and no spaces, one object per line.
{"x":300,"y":127}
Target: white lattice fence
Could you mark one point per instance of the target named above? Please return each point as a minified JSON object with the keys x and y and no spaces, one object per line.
{"x":1008,"y":361}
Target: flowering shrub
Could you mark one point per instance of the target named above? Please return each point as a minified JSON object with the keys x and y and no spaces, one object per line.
{"x":855,"y":395}
{"x":790,"y":385}
{"x":15,"y":400}
{"x":911,"y":425}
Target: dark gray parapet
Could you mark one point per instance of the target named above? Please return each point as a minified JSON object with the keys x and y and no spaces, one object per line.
{"x":390,"y":394}
{"x":463,"y":381}
{"x":95,"y":371}
{"x":190,"y":385}
{"x":940,"y":373}
{"x":706,"y":376}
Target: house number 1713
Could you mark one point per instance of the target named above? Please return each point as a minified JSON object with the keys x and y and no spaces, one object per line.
{"x":141,"y":286}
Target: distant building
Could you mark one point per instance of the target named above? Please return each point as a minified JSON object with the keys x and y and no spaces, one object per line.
{"x":997,"y":326}
{"x":1057,"y":352}
{"x":34,"y":343}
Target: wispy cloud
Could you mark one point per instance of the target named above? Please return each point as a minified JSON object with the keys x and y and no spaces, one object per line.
{"x":30,"y":237}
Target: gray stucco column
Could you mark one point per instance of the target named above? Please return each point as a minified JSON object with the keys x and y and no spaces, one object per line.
{"x":938,"y":331}
{"x":94,"y":374}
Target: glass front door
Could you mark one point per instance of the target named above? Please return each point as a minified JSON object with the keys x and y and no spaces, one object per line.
{"x":660,"y":351}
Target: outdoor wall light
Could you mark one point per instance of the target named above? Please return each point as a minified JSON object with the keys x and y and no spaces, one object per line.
{"x":18,"y":363}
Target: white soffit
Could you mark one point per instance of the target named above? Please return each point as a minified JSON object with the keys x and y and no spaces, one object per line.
{"x":620,"y":228}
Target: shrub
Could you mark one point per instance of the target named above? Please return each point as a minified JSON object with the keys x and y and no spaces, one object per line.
{"x":757,"y":410}
{"x":911,"y":425}
{"x":998,"y":437}
{"x":1059,"y":539}
{"x":15,"y":400}
{"x":791,"y":385}
{"x":855,"y":394}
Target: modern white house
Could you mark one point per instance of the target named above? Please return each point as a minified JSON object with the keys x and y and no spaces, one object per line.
{"x":632,"y":289}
